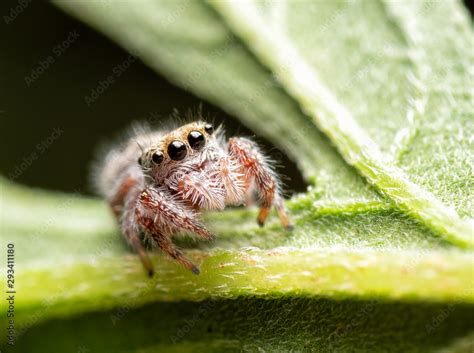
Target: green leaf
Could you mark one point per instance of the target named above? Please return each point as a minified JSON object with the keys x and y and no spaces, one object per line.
{"x":413,"y":146}
{"x":348,"y":256}
{"x":259,"y":325}
{"x":359,"y":268}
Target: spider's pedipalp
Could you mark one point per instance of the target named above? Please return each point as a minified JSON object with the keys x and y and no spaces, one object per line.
{"x":160,"y":215}
{"x":233,"y":181}
{"x":203,"y":190}
{"x":157,"y":211}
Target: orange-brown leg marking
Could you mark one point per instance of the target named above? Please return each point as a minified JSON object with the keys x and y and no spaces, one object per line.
{"x":285,"y":221}
{"x":262,"y":215}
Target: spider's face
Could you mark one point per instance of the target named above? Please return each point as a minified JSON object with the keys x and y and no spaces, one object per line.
{"x":182,"y":147}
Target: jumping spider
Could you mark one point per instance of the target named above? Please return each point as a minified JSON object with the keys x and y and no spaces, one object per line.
{"x":158,"y":182}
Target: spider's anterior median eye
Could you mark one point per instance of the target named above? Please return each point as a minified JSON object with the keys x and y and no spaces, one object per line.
{"x":209,"y":129}
{"x":157,"y":157}
{"x":177,"y":150}
{"x":196,"y":140}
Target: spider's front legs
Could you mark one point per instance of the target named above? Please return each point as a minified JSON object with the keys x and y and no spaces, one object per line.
{"x":258,"y":171}
{"x":160,"y":215}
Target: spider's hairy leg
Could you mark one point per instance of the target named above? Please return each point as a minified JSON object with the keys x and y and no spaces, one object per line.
{"x":281,"y":211}
{"x":132,"y":236}
{"x":259,"y":171}
{"x":160,"y":215}
{"x":122,"y":204}
{"x":165,"y":244}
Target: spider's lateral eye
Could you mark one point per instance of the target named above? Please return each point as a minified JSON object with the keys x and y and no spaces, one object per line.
{"x":209,"y":129}
{"x":196,"y":140}
{"x":139,"y":160}
{"x":177,"y":150}
{"x":157,"y":157}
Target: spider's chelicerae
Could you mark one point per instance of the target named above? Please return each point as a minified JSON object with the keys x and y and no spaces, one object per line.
{"x":158,"y":182}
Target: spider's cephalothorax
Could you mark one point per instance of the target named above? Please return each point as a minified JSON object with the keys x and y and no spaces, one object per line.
{"x":157,"y":183}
